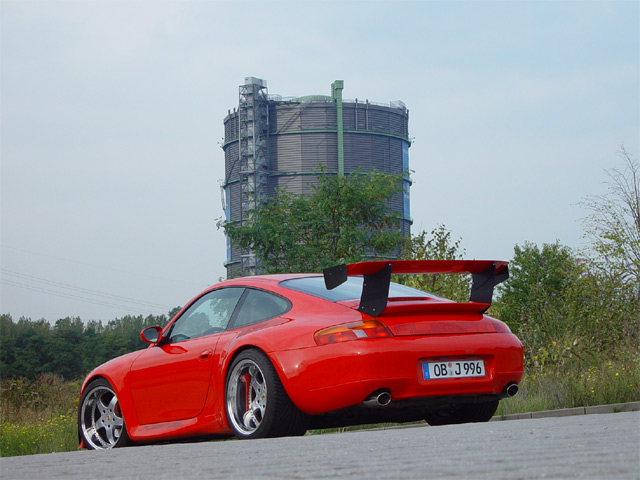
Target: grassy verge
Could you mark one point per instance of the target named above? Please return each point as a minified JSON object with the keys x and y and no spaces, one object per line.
{"x":556,"y":387}
{"x":58,"y":434}
{"x":39,"y":416}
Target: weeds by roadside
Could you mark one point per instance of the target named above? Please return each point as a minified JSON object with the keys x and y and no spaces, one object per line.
{"x":58,"y":434}
{"x":38,"y":416}
{"x":610,"y":381}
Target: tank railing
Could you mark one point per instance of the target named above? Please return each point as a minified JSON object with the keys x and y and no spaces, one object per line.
{"x":395,"y":104}
{"x":280,"y":98}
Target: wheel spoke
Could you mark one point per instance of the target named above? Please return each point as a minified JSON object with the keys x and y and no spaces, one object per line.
{"x":110,"y":436}
{"x":258,"y":404}
{"x":257,"y":386}
{"x":101,"y":405}
{"x":92,"y":434}
{"x":249,"y":420}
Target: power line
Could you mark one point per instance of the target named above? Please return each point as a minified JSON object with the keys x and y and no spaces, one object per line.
{"x":97,"y":293}
{"x":72,"y":297}
{"x":104,"y":299}
{"x":102,"y":267}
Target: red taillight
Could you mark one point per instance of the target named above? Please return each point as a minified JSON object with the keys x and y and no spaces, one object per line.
{"x":500,"y":327}
{"x":352,"y":331}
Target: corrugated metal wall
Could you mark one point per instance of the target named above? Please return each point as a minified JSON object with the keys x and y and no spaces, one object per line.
{"x":303,"y":139}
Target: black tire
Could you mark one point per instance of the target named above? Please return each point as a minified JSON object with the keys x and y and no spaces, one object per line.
{"x":471,"y":412}
{"x":101,"y":425}
{"x":256,"y":403}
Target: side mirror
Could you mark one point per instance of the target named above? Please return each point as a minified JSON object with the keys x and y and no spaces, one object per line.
{"x":151,"y":335}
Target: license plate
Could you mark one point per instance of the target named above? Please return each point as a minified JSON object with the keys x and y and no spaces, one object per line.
{"x":453,"y":369}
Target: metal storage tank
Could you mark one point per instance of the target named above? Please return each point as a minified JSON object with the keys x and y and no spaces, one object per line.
{"x":281,"y":143}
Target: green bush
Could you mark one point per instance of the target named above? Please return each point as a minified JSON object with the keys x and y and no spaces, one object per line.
{"x":564,"y":313}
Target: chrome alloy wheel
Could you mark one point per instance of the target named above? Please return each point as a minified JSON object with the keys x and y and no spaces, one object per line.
{"x":100,"y":418}
{"x":246,"y":396}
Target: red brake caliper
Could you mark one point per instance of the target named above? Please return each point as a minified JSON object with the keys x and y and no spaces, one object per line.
{"x":246,"y":379}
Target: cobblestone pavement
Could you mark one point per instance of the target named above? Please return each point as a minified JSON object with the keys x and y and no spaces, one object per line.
{"x":586,"y":447}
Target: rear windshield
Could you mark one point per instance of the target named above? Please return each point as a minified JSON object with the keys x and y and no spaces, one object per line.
{"x":349,"y":290}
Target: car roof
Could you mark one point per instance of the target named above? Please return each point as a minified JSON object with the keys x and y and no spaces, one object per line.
{"x":265,"y":279}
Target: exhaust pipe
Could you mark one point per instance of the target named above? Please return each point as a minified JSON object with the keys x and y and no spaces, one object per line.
{"x":510,"y":390}
{"x":379,"y":398}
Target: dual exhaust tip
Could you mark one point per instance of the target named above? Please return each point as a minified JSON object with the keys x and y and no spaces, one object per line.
{"x":379,"y":398}
{"x":510,"y":390}
{"x":382,"y":398}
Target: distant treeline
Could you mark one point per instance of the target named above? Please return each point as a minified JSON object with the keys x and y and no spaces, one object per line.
{"x":70,"y":347}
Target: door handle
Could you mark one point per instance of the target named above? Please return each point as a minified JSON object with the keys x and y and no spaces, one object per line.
{"x":206,"y":354}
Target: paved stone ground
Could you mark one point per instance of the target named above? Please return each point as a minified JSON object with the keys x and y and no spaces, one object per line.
{"x":585,"y":447}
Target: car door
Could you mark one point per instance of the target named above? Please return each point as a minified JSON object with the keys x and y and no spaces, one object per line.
{"x":170,"y":380}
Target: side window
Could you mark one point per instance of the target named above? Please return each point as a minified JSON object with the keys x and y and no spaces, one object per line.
{"x":209,"y":314}
{"x":259,"y":305}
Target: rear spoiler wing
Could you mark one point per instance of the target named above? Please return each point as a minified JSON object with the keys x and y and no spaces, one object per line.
{"x":486,"y":274}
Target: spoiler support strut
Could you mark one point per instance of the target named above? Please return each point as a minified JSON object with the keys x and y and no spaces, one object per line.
{"x":485,"y":274}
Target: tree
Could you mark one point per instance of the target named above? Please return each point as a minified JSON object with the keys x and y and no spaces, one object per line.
{"x":70,"y":348}
{"x":64,"y":349}
{"x":437,"y":245}
{"x":7,"y":350}
{"x":562,"y":310}
{"x":536,"y":276}
{"x":346,"y":219}
{"x":532,"y":300}
{"x":614,"y":222}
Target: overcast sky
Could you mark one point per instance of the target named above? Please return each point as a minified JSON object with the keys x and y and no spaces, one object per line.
{"x":112,"y":117}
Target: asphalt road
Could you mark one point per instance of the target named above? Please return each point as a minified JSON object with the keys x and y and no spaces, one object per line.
{"x":586,"y":447}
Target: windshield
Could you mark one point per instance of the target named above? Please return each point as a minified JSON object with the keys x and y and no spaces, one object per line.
{"x":349,"y":290}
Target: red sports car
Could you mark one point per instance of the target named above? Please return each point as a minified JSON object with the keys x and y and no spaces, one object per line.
{"x":275,"y":355}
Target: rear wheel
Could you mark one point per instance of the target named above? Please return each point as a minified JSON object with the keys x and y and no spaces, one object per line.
{"x":257,"y":405}
{"x":100,"y":422}
{"x":471,"y":412}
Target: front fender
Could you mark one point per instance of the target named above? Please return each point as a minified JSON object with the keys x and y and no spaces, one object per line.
{"x":116,"y":372}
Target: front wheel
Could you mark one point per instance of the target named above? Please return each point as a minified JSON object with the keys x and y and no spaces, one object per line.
{"x":257,"y":405}
{"x":100,"y":421}
{"x":470,"y":412}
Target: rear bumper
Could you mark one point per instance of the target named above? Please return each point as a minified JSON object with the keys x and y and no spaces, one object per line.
{"x":331,"y":377}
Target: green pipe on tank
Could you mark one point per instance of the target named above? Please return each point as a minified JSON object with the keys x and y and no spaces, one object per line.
{"x":336,"y":94}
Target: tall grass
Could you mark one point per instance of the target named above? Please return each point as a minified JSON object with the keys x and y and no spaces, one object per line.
{"x":58,"y":434}
{"x":550,"y":388}
{"x":38,"y":416}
